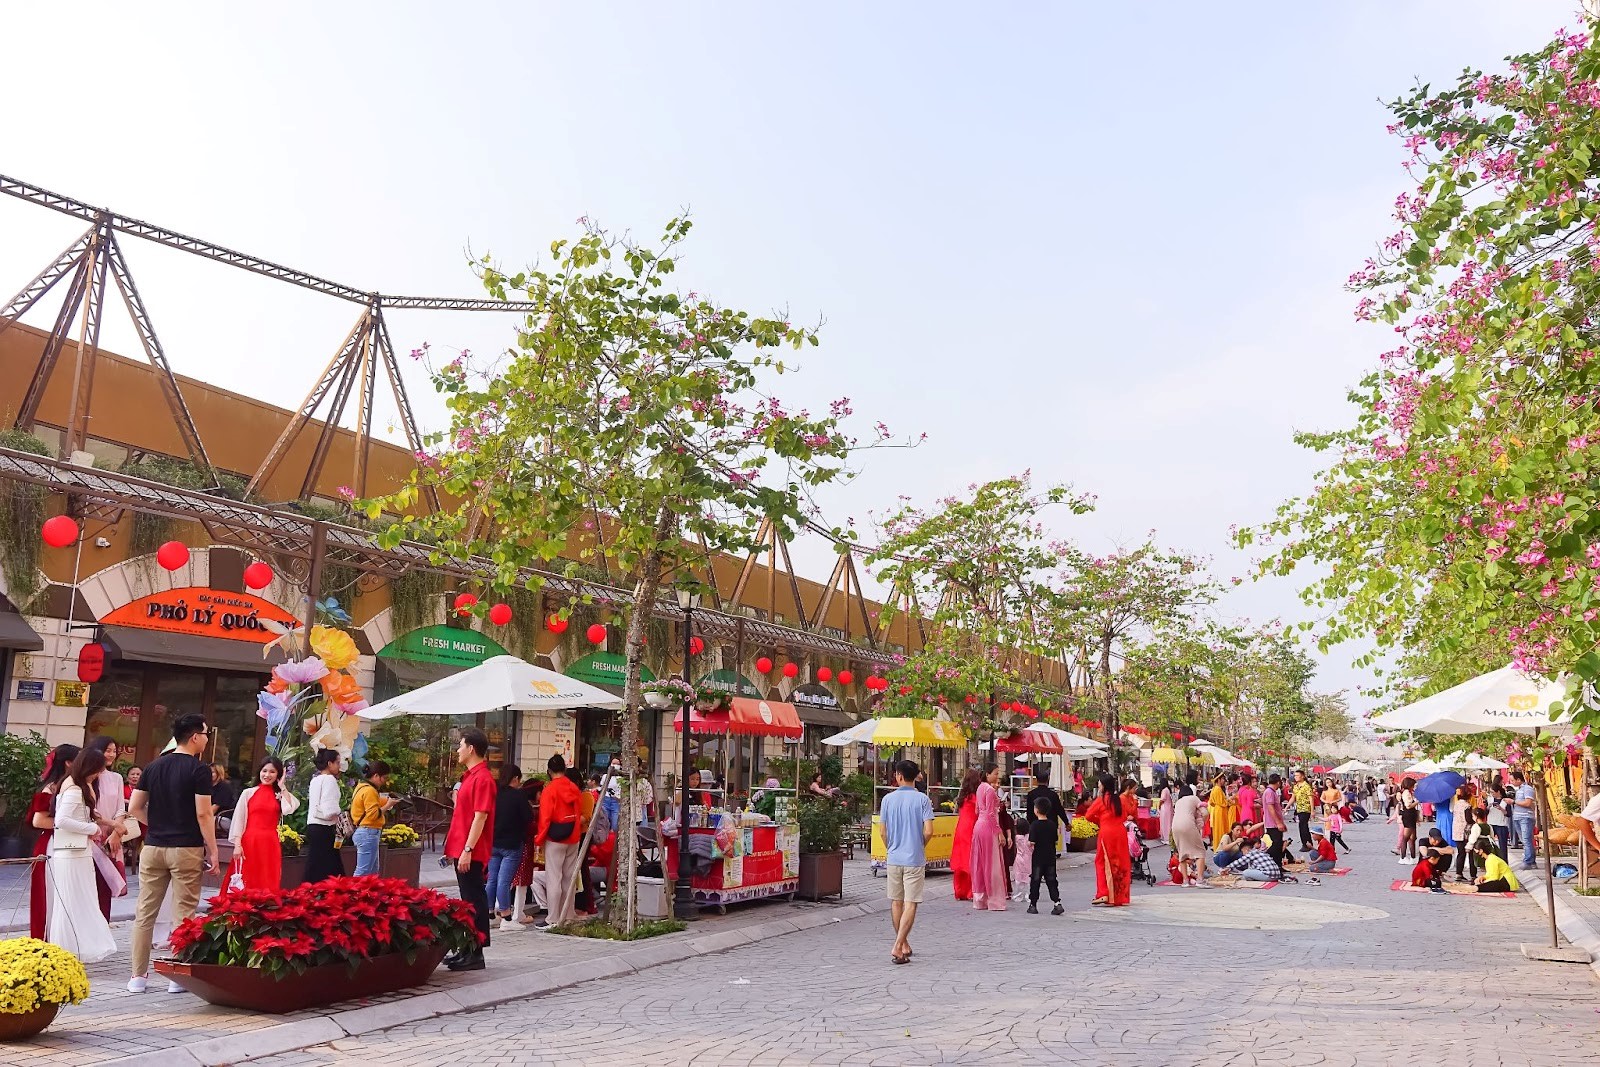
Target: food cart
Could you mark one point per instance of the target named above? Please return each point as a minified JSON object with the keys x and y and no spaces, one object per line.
{"x":908,"y":733}
{"x":752,"y":857}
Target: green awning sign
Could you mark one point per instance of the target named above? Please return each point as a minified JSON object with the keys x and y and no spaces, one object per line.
{"x":443,"y":644}
{"x":729,"y":682}
{"x":606,"y":668}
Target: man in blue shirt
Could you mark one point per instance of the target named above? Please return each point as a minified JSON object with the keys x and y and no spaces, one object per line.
{"x":906,"y":822}
{"x":1524,"y":816}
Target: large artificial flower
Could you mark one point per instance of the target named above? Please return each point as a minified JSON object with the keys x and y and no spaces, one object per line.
{"x":334,"y":647}
{"x":300,"y":672}
{"x":341,"y":689}
{"x":271,"y":707}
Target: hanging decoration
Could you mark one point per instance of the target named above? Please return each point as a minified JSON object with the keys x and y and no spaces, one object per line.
{"x":764,"y":665}
{"x":696,"y":646}
{"x":846,"y":677}
{"x":464,"y":604}
{"x":59,"y":532}
{"x":556,"y":624}
{"x":500,"y":614}
{"x":791,"y":670}
{"x":91,"y":662}
{"x":824,"y":674}
{"x":597,"y":634}
{"x":257,"y":576}
{"x":172,"y":555}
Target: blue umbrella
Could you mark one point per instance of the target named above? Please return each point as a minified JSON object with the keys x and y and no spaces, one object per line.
{"x":1439,"y":788}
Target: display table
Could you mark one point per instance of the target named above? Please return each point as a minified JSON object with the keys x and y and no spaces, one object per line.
{"x":1149,"y":825}
{"x":764,"y":864}
{"x":944,"y":833}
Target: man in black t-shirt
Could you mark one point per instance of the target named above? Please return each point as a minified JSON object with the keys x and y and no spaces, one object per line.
{"x":173,"y":801}
{"x":1042,"y":832}
{"x":1041,"y":791}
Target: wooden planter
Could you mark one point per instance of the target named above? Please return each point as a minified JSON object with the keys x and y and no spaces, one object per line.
{"x":402,"y":863}
{"x":1083,"y":844}
{"x":821,"y":875}
{"x":28,"y":1024}
{"x":257,"y":990}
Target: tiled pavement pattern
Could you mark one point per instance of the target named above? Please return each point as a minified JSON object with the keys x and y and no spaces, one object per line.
{"x":1342,"y":974}
{"x":114,"y":1023}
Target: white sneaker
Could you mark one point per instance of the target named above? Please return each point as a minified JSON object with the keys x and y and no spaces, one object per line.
{"x":174,"y":987}
{"x":138,"y":984}
{"x":1406,"y":862}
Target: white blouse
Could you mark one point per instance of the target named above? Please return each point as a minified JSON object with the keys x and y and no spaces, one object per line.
{"x":325,"y":806}
{"x":74,"y":822}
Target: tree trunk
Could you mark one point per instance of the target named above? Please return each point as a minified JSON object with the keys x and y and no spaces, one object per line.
{"x":1113,"y":724}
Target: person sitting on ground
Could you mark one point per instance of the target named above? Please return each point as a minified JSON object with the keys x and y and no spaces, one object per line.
{"x":1436,"y":841}
{"x":1230,"y":848}
{"x":1256,"y":865}
{"x":1323,"y":857}
{"x":1497,"y":876}
{"x":1425,"y":875}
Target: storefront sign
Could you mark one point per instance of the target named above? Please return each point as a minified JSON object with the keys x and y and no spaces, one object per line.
{"x":208,"y":612}
{"x":813,"y":695}
{"x":566,"y":734}
{"x":443,"y":644}
{"x":606,"y":668}
{"x":729,"y":682}
{"x":28,"y":689}
{"x":72,"y":695}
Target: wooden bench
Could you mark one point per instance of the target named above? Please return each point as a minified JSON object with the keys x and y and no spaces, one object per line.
{"x":855,"y":836}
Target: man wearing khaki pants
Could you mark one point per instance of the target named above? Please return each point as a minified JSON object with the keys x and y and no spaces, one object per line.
{"x":173,"y":801}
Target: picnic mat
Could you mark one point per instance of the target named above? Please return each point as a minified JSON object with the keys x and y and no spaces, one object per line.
{"x":1295,"y":868}
{"x":1403,"y":885}
{"x":1217,"y":884}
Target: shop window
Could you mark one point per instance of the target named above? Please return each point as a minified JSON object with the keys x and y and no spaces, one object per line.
{"x":233,"y":724}
{"x":114,"y":710}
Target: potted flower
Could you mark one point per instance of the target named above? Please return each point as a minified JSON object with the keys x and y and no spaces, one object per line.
{"x":668,"y":693}
{"x":1085,"y":835}
{"x":401,"y":853}
{"x":283,"y":950}
{"x":21,"y":761}
{"x":708,"y":700}
{"x":821,"y":871}
{"x":36,"y":978}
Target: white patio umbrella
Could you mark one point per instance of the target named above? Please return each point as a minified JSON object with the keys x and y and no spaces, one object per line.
{"x":1500,"y":700}
{"x":1477,"y":761}
{"x":1426,"y":766}
{"x":498,"y":682}
{"x":1350,"y":767}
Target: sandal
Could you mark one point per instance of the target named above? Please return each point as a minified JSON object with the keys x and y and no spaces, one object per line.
{"x":899,"y":959}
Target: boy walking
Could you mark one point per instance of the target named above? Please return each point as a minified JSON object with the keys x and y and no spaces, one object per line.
{"x":906,"y":819}
{"x":1042,"y":832}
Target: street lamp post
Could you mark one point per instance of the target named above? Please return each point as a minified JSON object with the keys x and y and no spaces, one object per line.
{"x":683,"y":898}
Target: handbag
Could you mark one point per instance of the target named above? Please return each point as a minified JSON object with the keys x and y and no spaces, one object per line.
{"x":108,"y":871}
{"x":560,"y":832}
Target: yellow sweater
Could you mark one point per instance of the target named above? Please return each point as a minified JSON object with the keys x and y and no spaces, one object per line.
{"x":366,"y":807}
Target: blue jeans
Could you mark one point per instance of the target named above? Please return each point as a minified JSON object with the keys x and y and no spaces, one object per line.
{"x":1525,"y":833}
{"x":613,"y":806}
{"x":503,"y":864}
{"x":366,"y":839}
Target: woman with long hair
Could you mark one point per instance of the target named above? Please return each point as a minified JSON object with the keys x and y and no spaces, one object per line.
{"x":111,"y":807}
{"x":41,"y":816}
{"x":1220,"y":810}
{"x":988,"y":864}
{"x":257,"y":854}
{"x":527,"y":884}
{"x":75,"y":922}
{"x":1410,"y":814}
{"x":961,"y":843}
{"x":1164,"y":784}
{"x":322,"y":859}
{"x":1113,"y":867}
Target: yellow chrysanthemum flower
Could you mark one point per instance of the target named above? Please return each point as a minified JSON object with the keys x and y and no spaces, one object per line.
{"x":333,"y":647}
{"x":34,"y":973}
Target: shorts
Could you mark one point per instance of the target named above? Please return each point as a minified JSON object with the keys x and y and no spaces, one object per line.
{"x":905,"y":883}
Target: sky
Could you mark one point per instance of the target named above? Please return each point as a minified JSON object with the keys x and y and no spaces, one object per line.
{"x":1102,"y":243}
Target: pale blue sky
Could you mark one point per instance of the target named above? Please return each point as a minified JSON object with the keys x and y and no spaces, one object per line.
{"x":1102,"y":241}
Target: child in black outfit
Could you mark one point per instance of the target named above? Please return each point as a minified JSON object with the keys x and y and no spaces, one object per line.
{"x":1042,"y":832}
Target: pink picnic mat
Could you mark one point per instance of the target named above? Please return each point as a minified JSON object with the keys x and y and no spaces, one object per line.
{"x":1403,"y":885}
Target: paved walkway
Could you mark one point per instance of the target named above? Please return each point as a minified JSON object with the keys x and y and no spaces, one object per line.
{"x":1334,"y":976}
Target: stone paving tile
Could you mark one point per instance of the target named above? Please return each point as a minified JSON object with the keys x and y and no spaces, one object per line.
{"x":1343,"y":974}
{"x":114,"y":1023}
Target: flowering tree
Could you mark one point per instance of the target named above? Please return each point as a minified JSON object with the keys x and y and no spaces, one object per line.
{"x":1458,"y":515}
{"x":625,"y":399}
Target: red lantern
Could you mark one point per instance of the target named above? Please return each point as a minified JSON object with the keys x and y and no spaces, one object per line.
{"x":696,"y":646}
{"x":172,"y":555}
{"x":597,"y":634}
{"x":1005,"y":705}
{"x":970,"y":699}
{"x":91,"y":662}
{"x":500,"y":614}
{"x":905,"y":690}
{"x":464,"y":604}
{"x":824,"y":674}
{"x":257,"y":576}
{"x":59,"y":532}
{"x":845,"y":677}
{"x":763,"y":665}
{"x":556,"y":624}
{"x":791,"y":670}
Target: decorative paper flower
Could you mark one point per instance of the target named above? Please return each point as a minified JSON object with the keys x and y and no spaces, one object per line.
{"x":271,"y":707}
{"x":277,"y":685}
{"x":334,"y":647}
{"x":300,"y":672}
{"x":341,"y":689}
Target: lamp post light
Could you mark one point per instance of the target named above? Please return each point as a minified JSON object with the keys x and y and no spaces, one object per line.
{"x":683,"y":898}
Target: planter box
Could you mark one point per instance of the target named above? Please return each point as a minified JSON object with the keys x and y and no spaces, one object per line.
{"x":402,"y":863}
{"x":821,"y":875}
{"x":28,"y":1024}
{"x":256,"y":990}
{"x":1083,"y":844}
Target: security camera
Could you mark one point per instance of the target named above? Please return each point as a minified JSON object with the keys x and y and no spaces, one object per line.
{"x":101,"y":542}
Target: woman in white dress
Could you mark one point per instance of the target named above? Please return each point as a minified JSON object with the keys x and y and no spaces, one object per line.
{"x":75,"y":922}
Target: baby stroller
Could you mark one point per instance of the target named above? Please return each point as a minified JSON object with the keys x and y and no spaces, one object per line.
{"x":1139,"y":857}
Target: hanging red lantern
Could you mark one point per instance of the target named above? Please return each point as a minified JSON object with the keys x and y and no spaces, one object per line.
{"x":464,"y":604}
{"x":91,"y":662}
{"x":59,"y":532}
{"x":556,"y":624}
{"x":846,"y":677}
{"x":500,"y":614}
{"x":970,"y":699}
{"x":791,"y":670}
{"x":764,"y":665}
{"x":172,"y":555}
{"x":257,"y":576}
{"x":905,"y":690}
{"x":824,"y":674}
{"x":696,"y":646}
{"x":597,"y":634}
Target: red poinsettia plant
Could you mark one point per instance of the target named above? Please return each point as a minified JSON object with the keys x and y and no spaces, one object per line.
{"x":339,"y":920}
